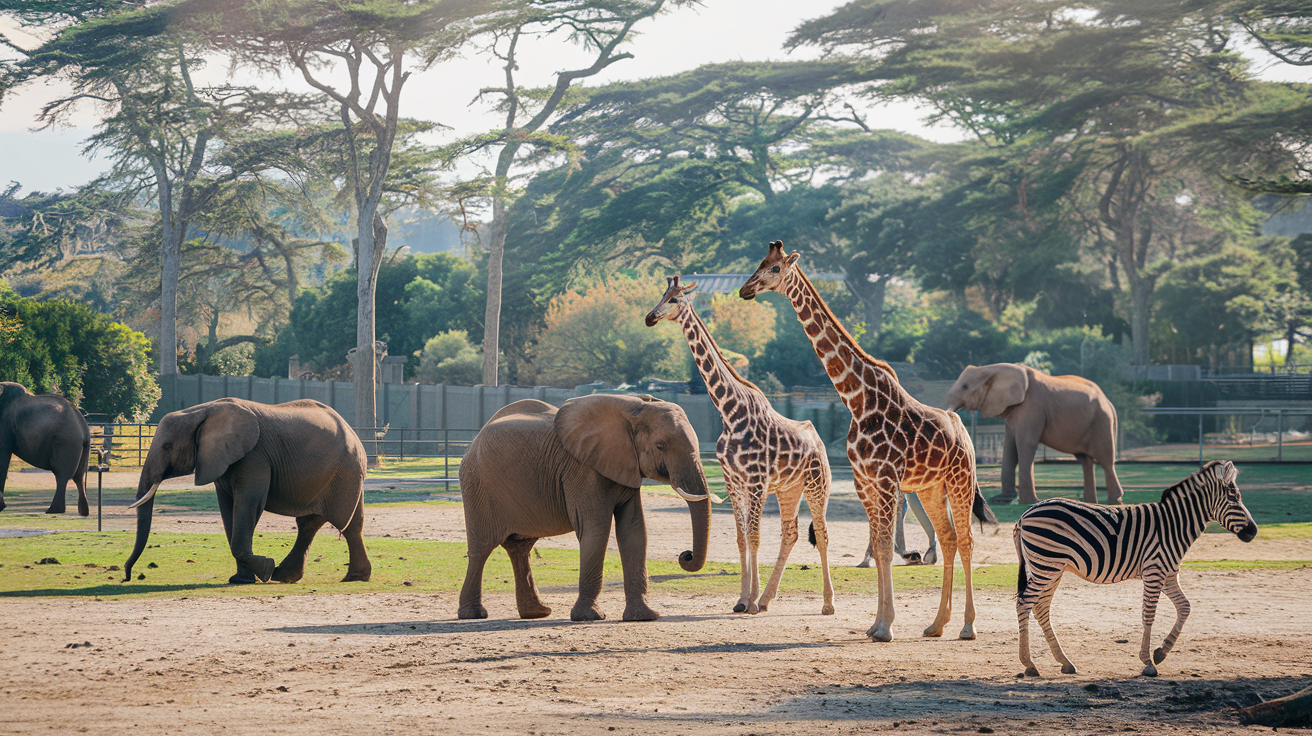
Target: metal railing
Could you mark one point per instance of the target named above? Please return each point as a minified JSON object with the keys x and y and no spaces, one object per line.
{"x":1277,"y":415}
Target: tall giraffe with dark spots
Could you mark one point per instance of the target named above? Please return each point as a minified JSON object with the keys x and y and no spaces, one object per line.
{"x":760,"y":452}
{"x":896,"y":444}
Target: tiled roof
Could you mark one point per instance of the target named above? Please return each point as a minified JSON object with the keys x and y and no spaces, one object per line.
{"x":727,"y":283}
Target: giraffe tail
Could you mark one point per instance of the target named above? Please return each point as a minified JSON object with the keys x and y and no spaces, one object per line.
{"x":981,"y":510}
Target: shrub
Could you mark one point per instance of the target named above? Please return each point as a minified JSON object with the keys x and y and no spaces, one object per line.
{"x":448,"y":357}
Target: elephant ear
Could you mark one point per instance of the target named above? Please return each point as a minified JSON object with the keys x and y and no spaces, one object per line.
{"x":598,"y":431}
{"x":1007,"y":387}
{"x":228,"y":432}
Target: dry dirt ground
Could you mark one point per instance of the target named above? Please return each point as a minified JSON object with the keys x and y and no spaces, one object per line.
{"x":396,"y":663}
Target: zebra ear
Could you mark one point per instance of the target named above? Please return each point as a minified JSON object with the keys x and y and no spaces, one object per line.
{"x":1229,"y":472}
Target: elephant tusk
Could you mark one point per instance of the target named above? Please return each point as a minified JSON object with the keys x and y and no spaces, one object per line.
{"x":688,"y":496}
{"x":149,"y":495}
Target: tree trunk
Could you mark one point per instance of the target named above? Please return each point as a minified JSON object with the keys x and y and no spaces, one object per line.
{"x":492,"y":316}
{"x":373,"y":241}
{"x":170,"y":267}
{"x":1141,"y":298}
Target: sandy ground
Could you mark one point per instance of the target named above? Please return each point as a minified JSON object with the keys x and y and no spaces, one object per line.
{"x":388,"y":663}
{"x":383,"y":663}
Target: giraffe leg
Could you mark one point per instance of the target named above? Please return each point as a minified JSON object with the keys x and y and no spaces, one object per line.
{"x":817,"y":497}
{"x":1042,"y":610}
{"x":936,"y":507}
{"x":879,"y":495}
{"x":962,"y":500}
{"x":789,"y":502}
{"x":1181,"y":603}
{"x":1152,"y":591}
{"x":740,"y":523}
{"x":755,"y":508}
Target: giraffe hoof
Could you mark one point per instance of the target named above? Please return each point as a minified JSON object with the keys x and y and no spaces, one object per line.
{"x":967,"y":633}
{"x":1150,"y":671}
{"x":880,"y":633}
{"x":1069,"y":669}
{"x":828,"y":610}
{"x":740,"y":608}
{"x":1031,"y":671}
{"x":1159,"y":655}
{"x":933,"y":632}
{"x":754,"y":609}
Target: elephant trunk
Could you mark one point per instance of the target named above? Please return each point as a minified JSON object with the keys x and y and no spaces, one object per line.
{"x":699,"y":505}
{"x":145,"y":506}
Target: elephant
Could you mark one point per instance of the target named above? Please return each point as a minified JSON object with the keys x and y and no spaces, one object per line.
{"x":296,"y":459}
{"x":1067,"y":413}
{"x":534,"y":471}
{"x":47,"y":432}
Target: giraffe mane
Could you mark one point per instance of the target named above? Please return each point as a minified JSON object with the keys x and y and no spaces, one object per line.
{"x":861,"y":353}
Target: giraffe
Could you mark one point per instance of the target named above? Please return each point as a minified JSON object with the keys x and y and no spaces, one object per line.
{"x":895,"y":443}
{"x":761,"y":452}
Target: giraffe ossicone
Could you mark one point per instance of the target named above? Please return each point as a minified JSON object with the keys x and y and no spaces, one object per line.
{"x":760,"y":452}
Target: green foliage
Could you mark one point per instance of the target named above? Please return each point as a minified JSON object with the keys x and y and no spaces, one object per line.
{"x":418,"y":297}
{"x":65,"y":347}
{"x":449,"y":357}
{"x":1218,"y":302}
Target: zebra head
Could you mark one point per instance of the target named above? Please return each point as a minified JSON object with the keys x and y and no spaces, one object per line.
{"x":1227,"y":507}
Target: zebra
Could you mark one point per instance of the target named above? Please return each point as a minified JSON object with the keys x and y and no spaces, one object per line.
{"x":1105,"y":544}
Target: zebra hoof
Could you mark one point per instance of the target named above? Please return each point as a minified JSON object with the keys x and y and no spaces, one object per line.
{"x":1150,"y":671}
{"x":1031,"y":671}
{"x":1069,"y":669}
{"x":1159,"y":655}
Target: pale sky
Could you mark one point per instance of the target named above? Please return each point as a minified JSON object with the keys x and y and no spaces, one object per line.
{"x":719,"y":31}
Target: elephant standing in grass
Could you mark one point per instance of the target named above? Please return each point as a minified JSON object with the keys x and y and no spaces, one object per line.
{"x":296,"y":459}
{"x":46,"y":432}
{"x":535,"y":471}
{"x":1067,"y":413}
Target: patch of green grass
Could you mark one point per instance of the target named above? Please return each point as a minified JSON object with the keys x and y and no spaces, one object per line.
{"x":420,"y":467}
{"x":199,"y":564}
{"x":1274,"y":494}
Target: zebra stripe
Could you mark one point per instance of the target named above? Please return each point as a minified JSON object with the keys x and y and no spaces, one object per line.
{"x":1110,"y":544}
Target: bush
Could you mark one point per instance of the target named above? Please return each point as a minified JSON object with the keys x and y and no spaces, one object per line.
{"x":67,"y":348}
{"x":962,"y":339}
{"x":741,"y":326}
{"x":448,"y":357}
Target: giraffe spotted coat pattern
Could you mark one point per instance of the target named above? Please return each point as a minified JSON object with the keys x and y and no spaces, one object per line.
{"x":895,"y":443}
{"x":761,"y":452}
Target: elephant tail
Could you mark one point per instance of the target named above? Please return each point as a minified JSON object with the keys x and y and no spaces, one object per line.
{"x":981,"y":510}
{"x":810,"y":533}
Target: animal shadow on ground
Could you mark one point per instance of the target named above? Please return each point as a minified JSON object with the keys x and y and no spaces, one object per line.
{"x":1050,"y":701}
{"x":134,"y":588}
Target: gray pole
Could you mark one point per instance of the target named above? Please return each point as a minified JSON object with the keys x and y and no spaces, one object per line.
{"x":1200,"y":439}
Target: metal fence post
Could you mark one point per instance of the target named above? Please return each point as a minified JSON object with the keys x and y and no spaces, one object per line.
{"x":1200,"y":439}
{"x":1280,"y":432}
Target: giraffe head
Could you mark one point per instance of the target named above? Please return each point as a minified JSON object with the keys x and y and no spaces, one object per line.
{"x":668,"y":307}
{"x":769,"y":276}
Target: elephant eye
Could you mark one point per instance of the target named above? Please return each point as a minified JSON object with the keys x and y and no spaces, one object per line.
{"x":660,"y":446}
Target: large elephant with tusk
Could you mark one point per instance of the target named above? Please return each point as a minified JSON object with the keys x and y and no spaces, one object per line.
{"x":296,"y":459}
{"x":535,"y":471}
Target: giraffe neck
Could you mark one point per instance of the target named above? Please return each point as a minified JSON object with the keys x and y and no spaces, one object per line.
{"x":723,"y":384}
{"x":848,"y":366}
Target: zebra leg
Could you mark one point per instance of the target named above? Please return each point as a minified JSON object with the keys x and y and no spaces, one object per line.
{"x":1024,"y":605}
{"x":1152,"y":590}
{"x":1042,"y":609}
{"x":1172,"y":589}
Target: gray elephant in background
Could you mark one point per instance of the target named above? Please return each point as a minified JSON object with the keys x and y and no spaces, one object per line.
{"x":47,"y":432}
{"x":1067,"y":413}
{"x":534,"y":471}
{"x":296,"y":459}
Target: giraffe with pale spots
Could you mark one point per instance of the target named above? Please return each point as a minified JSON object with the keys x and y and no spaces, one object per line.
{"x":761,"y":452}
{"x":895,"y":443}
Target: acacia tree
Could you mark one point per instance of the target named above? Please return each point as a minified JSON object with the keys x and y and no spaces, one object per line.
{"x":373,"y":47}
{"x":601,"y":26}
{"x":161,"y":125}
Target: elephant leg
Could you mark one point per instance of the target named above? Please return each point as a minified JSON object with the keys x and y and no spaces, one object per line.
{"x":224,"y":493}
{"x":899,"y":528}
{"x":1008,"y":493}
{"x":358,"y":569}
{"x":631,"y":536}
{"x":1090,"y":485}
{"x":4,"y":476}
{"x":292,"y":567}
{"x":1026,"y":448}
{"x":593,"y":534}
{"x":1113,"y":483}
{"x":57,"y":504}
{"x":80,"y":480}
{"x":471,"y":593}
{"x":250,"y":492}
{"x":526,"y":591}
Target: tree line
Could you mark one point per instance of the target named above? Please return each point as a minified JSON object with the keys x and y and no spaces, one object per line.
{"x":1115,"y":163}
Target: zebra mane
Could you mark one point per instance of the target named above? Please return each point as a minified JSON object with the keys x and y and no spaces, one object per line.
{"x":1198,"y":477}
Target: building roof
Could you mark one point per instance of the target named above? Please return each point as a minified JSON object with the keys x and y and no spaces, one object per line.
{"x":728,"y":283}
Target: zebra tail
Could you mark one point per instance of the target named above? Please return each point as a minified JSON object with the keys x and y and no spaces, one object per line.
{"x":810,"y":533}
{"x":982,"y":511}
{"x":1022,"y":575}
